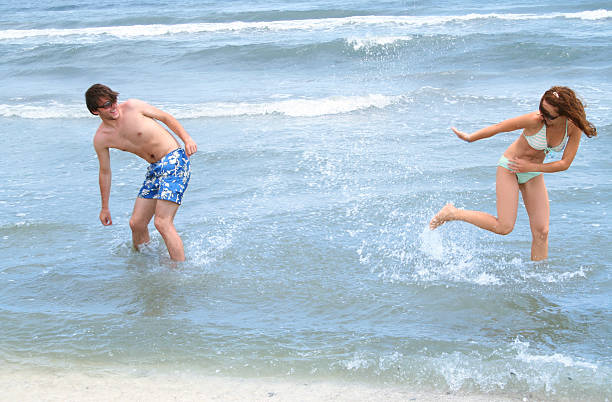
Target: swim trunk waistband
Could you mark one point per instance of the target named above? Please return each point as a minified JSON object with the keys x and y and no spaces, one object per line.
{"x":523,"y":177}
{"x":167,"y":179}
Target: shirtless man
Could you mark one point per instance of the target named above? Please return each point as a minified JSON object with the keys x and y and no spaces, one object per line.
{"x":133,"y":126}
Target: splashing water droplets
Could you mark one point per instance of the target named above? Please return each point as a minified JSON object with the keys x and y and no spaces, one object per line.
{"x":431,"y":244}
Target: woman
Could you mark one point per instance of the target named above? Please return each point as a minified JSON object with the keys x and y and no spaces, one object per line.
{"x":557,"y":126}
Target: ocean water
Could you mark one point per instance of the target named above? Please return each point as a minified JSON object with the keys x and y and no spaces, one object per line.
{"x":324,"y":150}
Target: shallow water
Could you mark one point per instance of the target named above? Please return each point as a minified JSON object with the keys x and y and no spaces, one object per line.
{"x":324,"y":150}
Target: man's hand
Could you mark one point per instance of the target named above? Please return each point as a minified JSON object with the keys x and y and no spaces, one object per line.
{"x":105,"y":217}
{"x":190,"y":147}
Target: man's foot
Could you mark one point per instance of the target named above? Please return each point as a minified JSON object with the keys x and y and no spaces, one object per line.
{"x":444,"y":215}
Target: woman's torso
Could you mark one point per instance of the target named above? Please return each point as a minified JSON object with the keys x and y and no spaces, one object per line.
{"x":535,"y":142}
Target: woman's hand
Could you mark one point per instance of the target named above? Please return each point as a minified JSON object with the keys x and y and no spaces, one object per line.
{"x":517,"y":165}
{"x":464,"y":136}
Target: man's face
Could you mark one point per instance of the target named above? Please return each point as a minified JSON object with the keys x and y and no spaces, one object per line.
{"x":107,"y":109}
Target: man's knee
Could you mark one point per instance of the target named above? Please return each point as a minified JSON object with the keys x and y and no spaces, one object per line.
{"x":138,"y":225}
{"x":163,"y":224}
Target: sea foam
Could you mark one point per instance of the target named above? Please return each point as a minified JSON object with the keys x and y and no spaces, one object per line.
{"x":296,"y":107}
{"x":137,"y":31}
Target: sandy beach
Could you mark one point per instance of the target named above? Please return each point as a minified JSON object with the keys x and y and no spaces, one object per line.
{"x":62,"y":386}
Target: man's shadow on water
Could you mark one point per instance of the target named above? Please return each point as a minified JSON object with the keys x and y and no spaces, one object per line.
{"x":160,"y":287}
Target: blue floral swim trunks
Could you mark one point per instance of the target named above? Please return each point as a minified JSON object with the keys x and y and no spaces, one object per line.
{"x":167,"y":178}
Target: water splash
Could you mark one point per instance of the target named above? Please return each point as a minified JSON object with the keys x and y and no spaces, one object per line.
{"x":431,"y":244}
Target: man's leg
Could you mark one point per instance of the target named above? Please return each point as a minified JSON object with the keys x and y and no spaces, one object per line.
{"x":164,"y":223}
{"x":144,"y":208}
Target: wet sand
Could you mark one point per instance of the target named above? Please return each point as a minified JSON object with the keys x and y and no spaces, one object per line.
{"x":66,"y":386}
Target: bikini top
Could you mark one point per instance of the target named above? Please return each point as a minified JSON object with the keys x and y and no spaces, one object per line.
{"x":538,"y":140}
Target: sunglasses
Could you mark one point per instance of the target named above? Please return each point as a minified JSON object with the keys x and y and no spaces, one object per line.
{"x":106,"y":105}
{"x":547,"y":115}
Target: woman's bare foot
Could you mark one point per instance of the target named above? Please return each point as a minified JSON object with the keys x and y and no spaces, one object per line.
{"x":444,"y":215}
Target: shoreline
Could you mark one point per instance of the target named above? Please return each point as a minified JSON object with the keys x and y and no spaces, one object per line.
{"x":38,"y":385}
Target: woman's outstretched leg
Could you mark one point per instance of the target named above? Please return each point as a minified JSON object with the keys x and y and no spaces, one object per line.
{"x":507,"y":203}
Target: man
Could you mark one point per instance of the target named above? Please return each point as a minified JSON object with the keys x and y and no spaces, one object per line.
{"x":133,"y":126}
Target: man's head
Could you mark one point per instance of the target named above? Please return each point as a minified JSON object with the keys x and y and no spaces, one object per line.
{"x":97,"y":96}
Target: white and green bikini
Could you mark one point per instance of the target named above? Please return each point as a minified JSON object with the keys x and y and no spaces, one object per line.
{"x":536,"y":141}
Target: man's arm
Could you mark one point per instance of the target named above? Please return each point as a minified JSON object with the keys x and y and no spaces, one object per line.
{"x":172,"y":123}
{"x":104,"y":180}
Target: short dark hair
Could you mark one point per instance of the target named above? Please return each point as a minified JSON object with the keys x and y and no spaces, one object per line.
{"x":96,"y":92}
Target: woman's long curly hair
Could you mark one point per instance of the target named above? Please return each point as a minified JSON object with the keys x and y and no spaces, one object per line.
{"x":567,"y":104}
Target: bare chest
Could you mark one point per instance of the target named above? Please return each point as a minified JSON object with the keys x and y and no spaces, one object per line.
{"x":142,"y":136}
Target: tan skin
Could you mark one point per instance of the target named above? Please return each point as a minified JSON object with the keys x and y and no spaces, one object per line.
{"x":133,"y":126}
{"x":522,"y":158}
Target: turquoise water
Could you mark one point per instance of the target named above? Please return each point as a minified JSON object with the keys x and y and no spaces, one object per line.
{"x":324,"y":150}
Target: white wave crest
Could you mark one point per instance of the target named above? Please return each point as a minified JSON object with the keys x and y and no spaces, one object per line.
{"x":51,"y":111}
{"x":590,"y":15}
{"x":368,"y":43}
{"x":556,"y":359}
{"x":135,"y":31}
{"x":290,"y":107}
